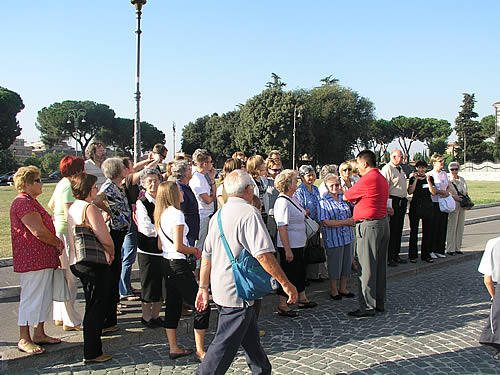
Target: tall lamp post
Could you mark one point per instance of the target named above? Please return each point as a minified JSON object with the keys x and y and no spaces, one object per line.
{"x":75,"y":115}
{"x":137,"y":124}
{"x":497,"y":124}
{"x":296,"y":115}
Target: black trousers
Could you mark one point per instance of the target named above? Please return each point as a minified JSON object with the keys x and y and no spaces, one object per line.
{"x":95,"y":280}
{"x":425,"y":246}
{"x":396,"y":226}
{"x":181,"y":286}
{"x":295,"y":270}
{"x":439,"y":228}
{"x":115,"y":269}
{"x":237,"y":326}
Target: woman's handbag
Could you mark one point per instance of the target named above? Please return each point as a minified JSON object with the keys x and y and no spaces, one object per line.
{"x":312,"y":226}
{"x":447,"y":204}
{"x":60,"y":291}
{"x":314,"y":252}
{"x":88,"y":249}
{"x":466,"y":203}
{"x":251,"y":280}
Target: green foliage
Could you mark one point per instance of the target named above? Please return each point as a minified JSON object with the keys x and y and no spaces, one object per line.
{"x":420,"y":156}
{"x":54,"y":126}
{"x":438,"y":145}
{"x":7,"y":161}
{"x":10,"y":105}
{"x":469,"y":132}
{"x":33,"y":160}
{"x":48,"y":163}
{"x":195,"y":134}
{"x":377,"y":137}
{"x":488,"y":127}
{"x":121,"y":133}
{"x":221,"y":141}
{"x":336,"y":116}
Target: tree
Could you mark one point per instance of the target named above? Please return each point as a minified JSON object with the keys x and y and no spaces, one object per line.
{"x":10,"y":105}
{"x":469,"y":132}
{"x":54,"y":126}
{"x":221,"y":140}
{"x":488,"y":124}
{"x":377,"y":137}
{"x":121,"y":133}
{"x":276,"y":83}
{"x":336,"y":116}
{"x":50,"y":162}
{"x":7,"y":161}
{"x":195,"y":134}
{"x":33,"y":160}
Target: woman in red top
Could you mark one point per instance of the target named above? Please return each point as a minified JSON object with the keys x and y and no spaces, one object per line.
{"x":36,"y":250}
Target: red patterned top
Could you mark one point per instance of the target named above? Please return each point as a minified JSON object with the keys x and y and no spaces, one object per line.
{"x":29,"y":253}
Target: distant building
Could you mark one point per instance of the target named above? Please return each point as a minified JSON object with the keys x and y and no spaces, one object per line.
{"x":451,"y":149}
{"x":20,"y":150}
{"x":39,"y":149}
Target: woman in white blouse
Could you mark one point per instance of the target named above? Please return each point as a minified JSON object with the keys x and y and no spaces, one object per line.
{"x":289,"y":216}
{"x":180,"y":282}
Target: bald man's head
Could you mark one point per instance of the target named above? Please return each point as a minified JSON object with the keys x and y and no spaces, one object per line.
{"x":396,"y":157}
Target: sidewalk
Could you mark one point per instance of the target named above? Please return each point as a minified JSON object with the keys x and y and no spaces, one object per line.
{"x":133,"y":333}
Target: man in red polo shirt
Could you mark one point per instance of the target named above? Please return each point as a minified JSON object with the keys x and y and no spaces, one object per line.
{"x":369,"y":196}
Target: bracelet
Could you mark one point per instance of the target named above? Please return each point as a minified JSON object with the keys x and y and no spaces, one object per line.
{"x":203,"y":286}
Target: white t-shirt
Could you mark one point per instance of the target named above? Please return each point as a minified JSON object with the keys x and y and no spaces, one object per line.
{"x":92,"y":168}
{"x":285,"y":213}
{"x":199,"y":185}
{"x":441,"y":182}
{"x":490,"y":262}
{"x":170,"y":218}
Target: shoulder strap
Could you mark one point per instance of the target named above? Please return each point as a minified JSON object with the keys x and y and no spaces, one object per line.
{"x":168,"y":238}
{"x":223,"y":238}
{"x":292,"y":202}
{"x":456,"y":188}
{"x":84,"y":213}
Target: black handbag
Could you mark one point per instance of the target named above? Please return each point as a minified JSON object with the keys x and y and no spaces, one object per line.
{"x":190,"y":258}
{"x":88,"y":249}
{"x":466,"y":202}
{"x":314,"y":253}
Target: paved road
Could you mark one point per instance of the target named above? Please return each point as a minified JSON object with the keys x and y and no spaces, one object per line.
{"x":431,"y":326}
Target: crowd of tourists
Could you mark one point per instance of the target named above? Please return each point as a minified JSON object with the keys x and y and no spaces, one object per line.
{"x":165,"y":219}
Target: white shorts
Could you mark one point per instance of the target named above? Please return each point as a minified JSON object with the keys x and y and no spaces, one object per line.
{"x":36,"y":297}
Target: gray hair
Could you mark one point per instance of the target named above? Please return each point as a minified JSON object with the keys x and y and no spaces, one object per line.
{"x":305,"y":169}
{"x":236,"y":182}
{"x":330,"y":177}
{"x":453,"y":164}
{"x":328,"y":169}
{"x":112,"y":167}
{"x":149,"y":172}
{"x":179,"y":169}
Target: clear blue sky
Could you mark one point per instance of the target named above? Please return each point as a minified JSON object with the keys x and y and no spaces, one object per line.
{"x":200,"y":57}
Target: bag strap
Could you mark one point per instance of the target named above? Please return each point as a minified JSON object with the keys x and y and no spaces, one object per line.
{"x":84,"y":213}
{"x":458,"y":191}
{"x":223,"y":238}
{"x":168,"y":238}
{"x":292,"y":202}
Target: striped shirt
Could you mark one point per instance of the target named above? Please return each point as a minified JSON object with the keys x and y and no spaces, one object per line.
{"x":330,"y":209}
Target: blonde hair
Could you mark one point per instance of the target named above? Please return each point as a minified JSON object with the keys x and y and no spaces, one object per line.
{"x":168,"y":195}
{"x":331,"y":177}
{"x":253,"y":164}
{"x":25,"y":175}
{"x":285,"y":179}
{"x":354,"y":166}
{"x":436,"y":157}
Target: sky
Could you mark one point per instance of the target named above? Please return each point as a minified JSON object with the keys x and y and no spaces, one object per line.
{"x":201,"y":57}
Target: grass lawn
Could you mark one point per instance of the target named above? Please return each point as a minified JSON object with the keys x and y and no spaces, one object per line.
{"x":479,"y":191}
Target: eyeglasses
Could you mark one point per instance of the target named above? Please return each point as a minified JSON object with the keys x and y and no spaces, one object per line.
{"x":453,"y":169}
{"x":346,"y":169}
{"x":37,"y":180}
{"x":275,"y":169}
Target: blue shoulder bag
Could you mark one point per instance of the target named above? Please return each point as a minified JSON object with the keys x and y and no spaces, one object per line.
{"x":251,"y":280}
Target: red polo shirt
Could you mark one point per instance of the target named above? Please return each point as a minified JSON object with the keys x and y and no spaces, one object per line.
{"x":371,"y":193}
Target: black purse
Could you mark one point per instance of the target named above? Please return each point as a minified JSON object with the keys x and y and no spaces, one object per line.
{"x":314,"y":253}
{"x":190,"y":258}
{"x":466,"y":203}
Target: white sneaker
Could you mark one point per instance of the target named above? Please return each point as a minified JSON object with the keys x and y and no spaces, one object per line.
{"x":433,"y":256}
{"x":441,"y":255}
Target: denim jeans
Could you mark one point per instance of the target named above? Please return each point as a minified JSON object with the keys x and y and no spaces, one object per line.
{"x":129,"y":253}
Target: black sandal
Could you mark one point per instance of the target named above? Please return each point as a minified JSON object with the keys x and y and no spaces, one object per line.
{"x":288,"y":313}
{"x":307,"y":305}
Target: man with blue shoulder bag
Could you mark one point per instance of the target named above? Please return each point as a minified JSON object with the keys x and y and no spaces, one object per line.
{"x":237,"y":236}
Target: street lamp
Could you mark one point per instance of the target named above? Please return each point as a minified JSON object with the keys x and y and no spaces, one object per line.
{"x":137,"y":125}
{"x":73,"y":116}
{"x":295,"y":117}
{"x":497,"y":123}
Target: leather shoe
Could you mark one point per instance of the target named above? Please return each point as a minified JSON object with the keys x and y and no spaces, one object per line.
{"x":400,"y":261}
{"x":392,"y":264}
{"x":148,"y":323}
{"x":337,"y":297}
{"x":361,"y":314}
{"x":379,"y":309}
